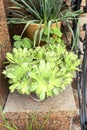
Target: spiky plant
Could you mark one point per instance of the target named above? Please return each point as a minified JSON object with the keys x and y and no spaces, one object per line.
{"x":41,"y":12}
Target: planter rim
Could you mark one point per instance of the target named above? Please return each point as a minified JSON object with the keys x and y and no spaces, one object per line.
{"x":42,"y":23}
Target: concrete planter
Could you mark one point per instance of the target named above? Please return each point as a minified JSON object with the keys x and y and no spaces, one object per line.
{"x":60,"y":110}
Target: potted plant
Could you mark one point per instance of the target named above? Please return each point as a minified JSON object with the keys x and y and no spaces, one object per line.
{"x":35,"y":14}
{"x":45,"y":71}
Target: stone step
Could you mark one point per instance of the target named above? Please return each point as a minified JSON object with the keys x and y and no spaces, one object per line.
{"x":76,"y":127}
{"x":59,"y":109}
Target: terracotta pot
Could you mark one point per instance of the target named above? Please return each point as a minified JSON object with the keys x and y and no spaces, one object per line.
{"x":30,"y":31}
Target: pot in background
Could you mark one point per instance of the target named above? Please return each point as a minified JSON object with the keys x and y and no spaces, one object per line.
{"x":30,"y":31}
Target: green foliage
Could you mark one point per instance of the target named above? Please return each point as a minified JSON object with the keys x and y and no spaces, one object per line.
{"x":21,"y":43}
{"x":9,"y":125}
{"x":6,"y":123}
{"x":54,"y":36}
{"x":45,"y":70}
{"x":42,"y":12}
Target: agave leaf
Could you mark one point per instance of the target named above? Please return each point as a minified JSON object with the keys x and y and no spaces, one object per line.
{"x":38,"y":90}
{"x":10,"y":57}
{"x":55,"y":91}
{"x":78,"y":62}
{"x":20,"y":52}
{"x":4,"y":72}
{"x":33,"y":88}
{"x":42,"y":95}
{"x":42,"y":66}
{"x":24,"y":87}
{"x":15,"y":51}
{"x":55,"y":71}
{"x":13,"y":87}
{"x":33,"y":75}
{"x":11,"y":81}
{"x":10,"y":75}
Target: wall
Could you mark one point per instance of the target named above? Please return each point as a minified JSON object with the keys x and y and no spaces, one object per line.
{"x":4,"y":47}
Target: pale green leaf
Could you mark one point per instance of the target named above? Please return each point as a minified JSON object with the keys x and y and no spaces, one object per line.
{"x":42,"y":95}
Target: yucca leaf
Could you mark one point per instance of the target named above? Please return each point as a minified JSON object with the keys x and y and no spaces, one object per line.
{"x":49,"y":28}
{"x":18,"y":4}
{"x":17,"y":14}
{"x":40,"y":35}
{"x":16,"y":20}
{"x":27,"y":24}
{"x":33,"y":5}
{"x":36,"y":37}
{"x":14,"y":7}
{"x":30,"y":9}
